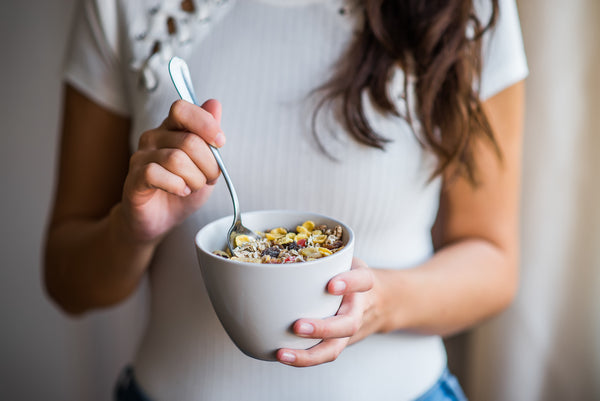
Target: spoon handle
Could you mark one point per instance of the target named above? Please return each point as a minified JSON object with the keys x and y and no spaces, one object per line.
{"x":180,"y":75}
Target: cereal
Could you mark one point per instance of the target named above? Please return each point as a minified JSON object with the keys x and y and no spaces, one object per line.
{"x":277,"y":246}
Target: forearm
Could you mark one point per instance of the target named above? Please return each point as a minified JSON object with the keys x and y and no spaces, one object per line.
{"x":462,"y":284}
{"x":93,"y":263}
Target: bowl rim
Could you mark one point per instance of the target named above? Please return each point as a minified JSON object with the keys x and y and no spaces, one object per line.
{"x":347,"y":247}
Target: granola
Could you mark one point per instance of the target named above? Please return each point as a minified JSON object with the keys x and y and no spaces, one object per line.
{"x":308,"y":242}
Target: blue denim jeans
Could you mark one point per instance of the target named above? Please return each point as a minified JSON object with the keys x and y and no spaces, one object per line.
{"x":127,"y":388}
{"x":446,"y":388}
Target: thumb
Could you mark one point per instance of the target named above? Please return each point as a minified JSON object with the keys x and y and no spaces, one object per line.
{"x":213,"y":106}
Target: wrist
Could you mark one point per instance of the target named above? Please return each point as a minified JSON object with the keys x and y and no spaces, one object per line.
{"x":391,"y":289}
{"x":122,"y":232}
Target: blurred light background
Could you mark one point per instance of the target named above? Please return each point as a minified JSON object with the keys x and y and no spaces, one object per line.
{"x":545,"y":347}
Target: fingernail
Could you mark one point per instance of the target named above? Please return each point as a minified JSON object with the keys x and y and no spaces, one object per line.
{"x":305,"y":328}
{"x":338,"y":286}
{"x":287,"y":357}
{"x":220,"y":139}
{"x":187,"y":190}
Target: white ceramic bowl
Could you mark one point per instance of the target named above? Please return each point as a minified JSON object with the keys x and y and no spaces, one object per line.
{"x":258,"y":303}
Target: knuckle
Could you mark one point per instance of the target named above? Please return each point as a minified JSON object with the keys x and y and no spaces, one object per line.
{"x":199,"y":182}
{"x":358,"y":264}
{"x":324,"y":331}
{"x":177,"y":158}
{"x":145,"y":140}
{"x":354,"y":327}
{"x":181,"y":184}
{"x":134,"y":160}
{"x":178,"y":110}
{"x":148,"y":171}
{"x":339,"y":348}
{"x":333,"y":355}
{"x":310,"y":359}
{"x":367,"y":281}
{"x":212,"y":176}
{"x":336,"y":353}
{"x":191,"y":141}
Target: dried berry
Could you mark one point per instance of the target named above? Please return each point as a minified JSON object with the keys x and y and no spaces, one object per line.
{"x":293,"y":246}
{"x":272,"y":251}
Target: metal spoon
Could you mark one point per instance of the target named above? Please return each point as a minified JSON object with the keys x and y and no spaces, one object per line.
{"x":180,"y":75}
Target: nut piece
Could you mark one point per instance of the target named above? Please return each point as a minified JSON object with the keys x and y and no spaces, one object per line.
{"x":337,"y":232}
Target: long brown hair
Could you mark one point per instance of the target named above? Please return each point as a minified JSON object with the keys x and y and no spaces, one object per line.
{"x":438,"y":42}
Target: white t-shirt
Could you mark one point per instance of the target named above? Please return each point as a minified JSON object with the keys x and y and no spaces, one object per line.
{"x":386,"y":196}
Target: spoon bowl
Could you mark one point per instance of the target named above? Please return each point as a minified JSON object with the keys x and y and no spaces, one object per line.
{"x":180,"y":75}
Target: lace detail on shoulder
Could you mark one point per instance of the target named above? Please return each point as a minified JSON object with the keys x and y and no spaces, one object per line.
{"x":169,"y":29}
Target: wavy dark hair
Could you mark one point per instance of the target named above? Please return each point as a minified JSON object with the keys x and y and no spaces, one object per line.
{"x":438,"y":42}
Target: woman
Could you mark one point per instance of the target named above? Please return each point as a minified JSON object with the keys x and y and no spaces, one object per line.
{"x":370,"y":112}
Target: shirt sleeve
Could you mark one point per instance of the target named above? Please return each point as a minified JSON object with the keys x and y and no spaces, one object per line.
{"x":92,"y":62}
{"x":503,"y":55}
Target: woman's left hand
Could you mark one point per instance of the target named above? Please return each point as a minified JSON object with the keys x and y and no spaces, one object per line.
{"x":356,"y":318}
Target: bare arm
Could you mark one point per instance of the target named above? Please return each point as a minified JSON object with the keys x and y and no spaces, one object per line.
{"x":112,"y":208}
{"x":474,"y":274}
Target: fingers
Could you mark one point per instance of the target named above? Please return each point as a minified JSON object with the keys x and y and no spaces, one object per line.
{"x":175,"y":157}
{"x":345,"y":324}
{"x":358,"y":279}
{"x":337,"y":330}
{"x":326,"y":351}
{"x":185,"y":116}
{"x":213,"y":106}
{"x":191,"y":144}
{"x":169,"y":169}
{"x":154,"y":176}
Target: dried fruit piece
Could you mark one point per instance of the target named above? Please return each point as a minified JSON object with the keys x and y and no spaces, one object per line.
{"x":271,"y":251}
{"x":292,"y":246}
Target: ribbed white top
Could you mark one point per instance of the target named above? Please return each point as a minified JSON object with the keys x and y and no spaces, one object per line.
{"x":261,"y":61}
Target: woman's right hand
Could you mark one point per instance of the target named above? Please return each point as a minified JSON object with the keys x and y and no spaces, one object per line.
{"x":173,"y":172}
